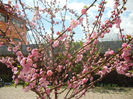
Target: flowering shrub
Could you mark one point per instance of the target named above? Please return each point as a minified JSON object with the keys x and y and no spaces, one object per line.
{"x":50,"y":66}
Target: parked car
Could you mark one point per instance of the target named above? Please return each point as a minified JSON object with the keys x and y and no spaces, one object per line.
{"x":1,"y":82}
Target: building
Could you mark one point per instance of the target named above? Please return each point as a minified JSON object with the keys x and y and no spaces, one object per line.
{"x":11,"y":26}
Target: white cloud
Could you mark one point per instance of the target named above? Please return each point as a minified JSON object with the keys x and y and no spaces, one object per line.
{"x":127,"y":24}
{"x":110,"y":4}
{"x":129,"y":5}
{"x":76,"y":6}
{"x":127,"y":20}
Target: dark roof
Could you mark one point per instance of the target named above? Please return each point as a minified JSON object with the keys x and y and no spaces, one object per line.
{"x":114,"y":45}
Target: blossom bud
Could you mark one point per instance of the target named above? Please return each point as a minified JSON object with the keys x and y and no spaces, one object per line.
{"x":49,"y":73}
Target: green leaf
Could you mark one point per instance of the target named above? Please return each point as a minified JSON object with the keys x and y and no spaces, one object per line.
{"x":85,"y":6}
{"x":19,"y":66}
{"x":26,"y":83}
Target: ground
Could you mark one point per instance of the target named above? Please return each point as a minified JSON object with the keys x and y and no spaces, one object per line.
{"x":97,"y":93}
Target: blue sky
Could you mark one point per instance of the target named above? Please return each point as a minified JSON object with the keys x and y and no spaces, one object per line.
{"x":127,"y":17}
{"x":77,"y":5}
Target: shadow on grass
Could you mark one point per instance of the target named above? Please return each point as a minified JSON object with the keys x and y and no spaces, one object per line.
{"x":110,"y":89}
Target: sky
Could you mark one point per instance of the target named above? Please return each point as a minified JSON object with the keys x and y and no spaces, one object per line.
{"x":77,"y":5}
{"x":127,"y":17}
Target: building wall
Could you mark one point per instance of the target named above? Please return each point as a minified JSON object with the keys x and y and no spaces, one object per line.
{"x":12,"y":30}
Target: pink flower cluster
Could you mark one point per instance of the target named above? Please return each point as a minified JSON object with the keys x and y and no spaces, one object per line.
{"x":26,"y":63}
{"x":83,"y":11}
{"x":126,"y":51}
{"x":117,"y":22}
{"x":109,"y":52}
{"x":79,"y":58}
{"x":35,"y":52}
{"x":49,"y":73}
{"x":75,"y":23}
{"x":59,"y":62}
{"x":55,"y":44}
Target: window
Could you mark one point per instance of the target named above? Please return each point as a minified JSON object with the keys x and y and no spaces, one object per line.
{"x":3,"y":17}
{"x":16,"y":22}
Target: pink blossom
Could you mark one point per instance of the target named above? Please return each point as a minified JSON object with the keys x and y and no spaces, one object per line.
{"x":116,"y":5}
{"x":80,"y":20}
{"x":94,"y":34}
{"x":84,"y":70}
{"x":79,"y":58}
{"x":102,"y":26}
{"x":30,"y":56}
{"x":59,"y":68}
{"x":102,"y":2}
{"x":55,"y":44}
{"x":14,"y":70}
{"x":128,"y":74}
{"x":110,"y":25}
{"x":99,"y":6}
{"x":47,"y":91}
{"x":17,"y":6}
{"x":127,"y":58}
{"x":124,"y":45}
{"x":19,"y":53}
{"x":117,"y":22}
{"x":74,"y":23}
{"x":29,"y":62}
{"x":84,"y":80}
{"x":19,"y":58}
{"x":83,"y":11}
{"x":35,"y":59}
{"x":105,"y":68}
{"x":58,"y":33}
{"x":49,"y":73}
{"x":109,"y":52}
{"x":91,"y":79}
{"x":125,"y":55}
{"x":26,"y":64}
{"x":62,"y":37}
{"x":102,"y":73}
{"x":23,"y":61}
{"x":95,"y":42}
{"x":35,"y":52}
{"x":28,"y":49}
{"x":69,"y":85}
{"x":15,"y":49}
{"x":102,"y":35}
{"x":34,"y":65}
{"x":103,"y":9}
{"x":68,"y":29}
{"x":9,"y":49}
